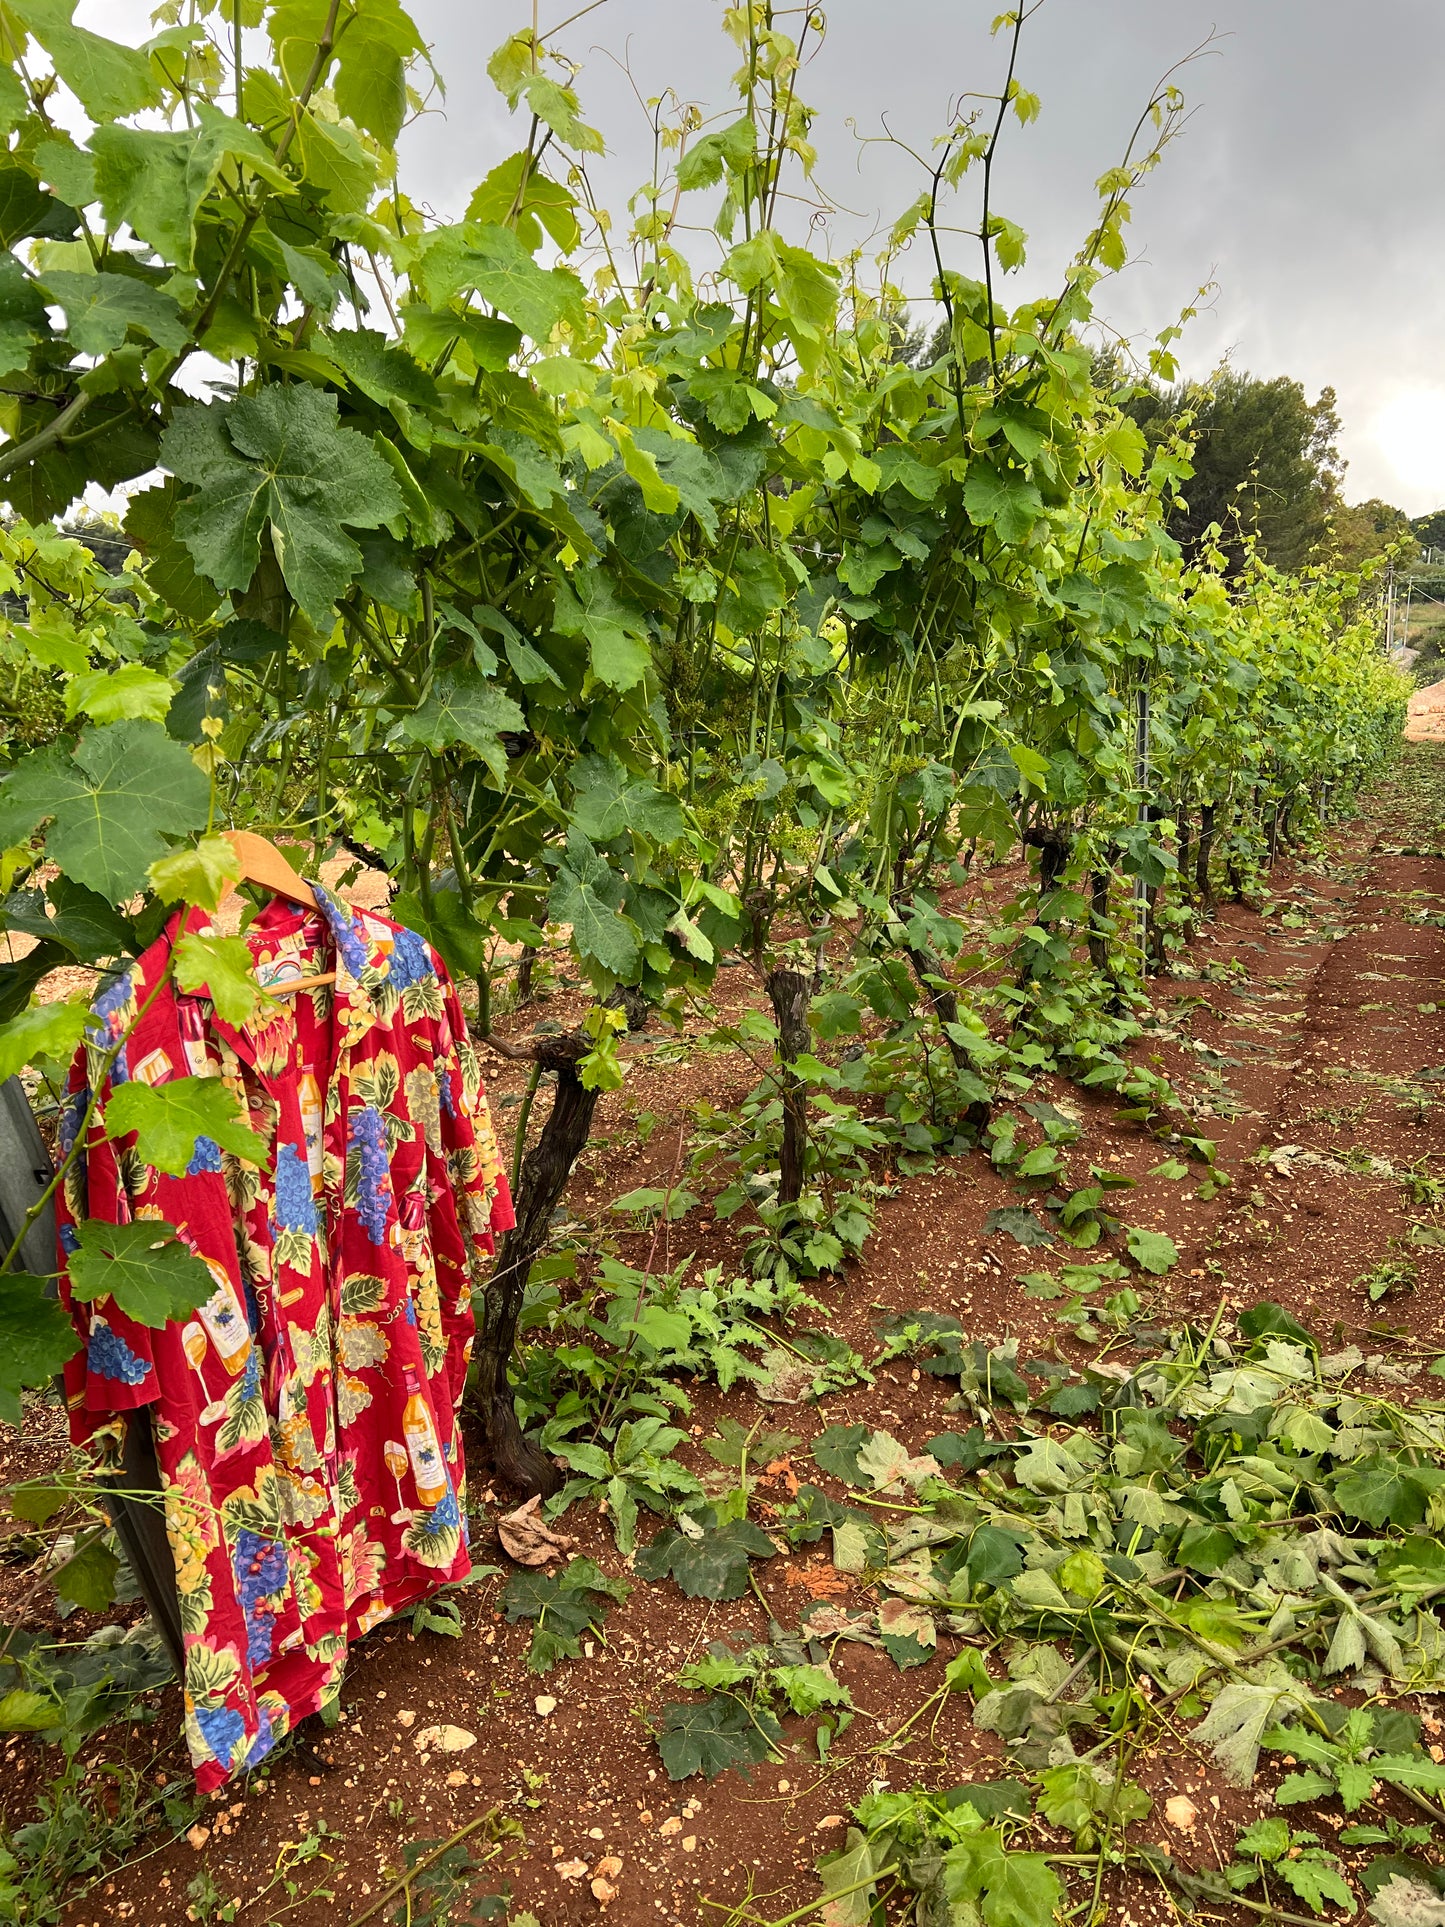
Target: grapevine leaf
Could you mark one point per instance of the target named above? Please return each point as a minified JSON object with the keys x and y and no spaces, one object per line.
{"x":41,"y":1030}
{"x":26,"y":1712}
{"x":222,"y":967}
{"x":155,"y":181}
{"x":111,"y":802}
{"x":1152,"y":1250}
{"x":22,"y":316}
{"x":1021,"y":1225}
{"x":713,"y":1736}
{"x":109,"y":80}
{"x":87,"y":1578}
{"x":143,"y":1267}
{"x":100,"y":307}
{"x":494,"y":262}
{"x":712,"y":1567}
{"x":36,"y":1338}
{"x":463,"y":707}
{"x":835,"y":1451}
{"x":612,"y":802}
{"x":278,"y":456}
{"x":588,"y":895}
{"x":1003,"y":500}
{"x":1316,"y":1877}
{"x":199,"y":875}
{"x":119,"y":693}
{"x":587,"y":605}
{"x":849,"y":1883}
{"x":1382,"y":1490}
{"x":181,"y":1124}
{"x":1232,"y":1727}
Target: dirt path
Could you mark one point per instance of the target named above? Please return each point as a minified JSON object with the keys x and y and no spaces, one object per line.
{"x":1427,"y":715}
{"x":1303,"y":1036}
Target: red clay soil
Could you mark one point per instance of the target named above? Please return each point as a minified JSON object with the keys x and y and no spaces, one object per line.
{"x":1304,"y":1028}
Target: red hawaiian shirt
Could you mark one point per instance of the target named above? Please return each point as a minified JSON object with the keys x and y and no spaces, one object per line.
{"x":305,"y":1416}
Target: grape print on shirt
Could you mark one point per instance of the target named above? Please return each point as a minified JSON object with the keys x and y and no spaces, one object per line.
{"x":305,"y":1416}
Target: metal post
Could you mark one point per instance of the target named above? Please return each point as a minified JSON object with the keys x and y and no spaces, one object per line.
{"x":1141,"y":777}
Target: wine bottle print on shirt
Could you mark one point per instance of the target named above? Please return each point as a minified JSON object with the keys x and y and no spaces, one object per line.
{"x":419,"y":1430}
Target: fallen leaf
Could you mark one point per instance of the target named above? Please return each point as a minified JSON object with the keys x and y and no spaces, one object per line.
{"x":783,"y":1469}
{"x":527,"y":1538}
{"x":570,"y":1869}
{"x":445,"y":1739}
{"x":1181,"y":1812}
{"x":821,"y":1581}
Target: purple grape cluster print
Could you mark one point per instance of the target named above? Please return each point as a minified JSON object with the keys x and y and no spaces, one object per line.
{"x":107,"y":1354}
{"x":350,"y":944}
{"x":260,"y":1568}
{"x":295,"y":1201}
{"x":205,"y":1157}
{"x":373,"y":1177}
{"x":408,"y":963}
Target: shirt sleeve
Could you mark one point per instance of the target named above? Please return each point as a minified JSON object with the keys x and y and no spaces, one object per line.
{"x":115,"y":1370}
{"x":476,"y":1181}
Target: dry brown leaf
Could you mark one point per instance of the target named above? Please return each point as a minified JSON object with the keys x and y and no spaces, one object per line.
{"x":783,"y":1469}
{"x":527,"y":1538}
{"x":821,"y":1581}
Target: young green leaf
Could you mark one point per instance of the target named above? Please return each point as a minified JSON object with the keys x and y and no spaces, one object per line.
{"x":111,"y":803}
{"x":41,"y":1030}
{"x":181,"y":1127}
{"x":36,"y":1339}
{"x":720,"y":1733}
{"x":144,"y":1267}
{"x":714,"y":1566}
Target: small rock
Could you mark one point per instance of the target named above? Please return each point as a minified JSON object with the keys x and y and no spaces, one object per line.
{"x":594,"y":1833}
{"x":830,"y":1820}
{"x":445,"y":1739}
{"x":406,"y":1717}
{"x":670,"y":1825}
{"x":198,"y":1836}
{"x":603,"y":1892}
{"x":570,"y":1869}
{"x":610,"y":1865}
{"x":1181,"y":1812}
{"x":689,"y":1843}
{"x":545,"y":1705}
{"x":456,"y":1777}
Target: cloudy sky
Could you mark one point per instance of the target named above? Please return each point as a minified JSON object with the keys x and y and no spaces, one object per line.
{"x":1306,"y":186}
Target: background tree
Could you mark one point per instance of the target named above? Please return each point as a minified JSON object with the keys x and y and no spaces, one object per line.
{"x":1265,"y":462}
{"x":1362,"y":529}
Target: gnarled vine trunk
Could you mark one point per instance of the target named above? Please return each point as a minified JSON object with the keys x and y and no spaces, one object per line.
{"x":545,"y":1171}
{"x":789,"y":992}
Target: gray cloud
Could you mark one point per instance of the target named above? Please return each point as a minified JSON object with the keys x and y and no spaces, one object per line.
{"x":1307,"y":181}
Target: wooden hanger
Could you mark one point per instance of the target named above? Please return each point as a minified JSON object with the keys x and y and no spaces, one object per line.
{"x":263,"y":864}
